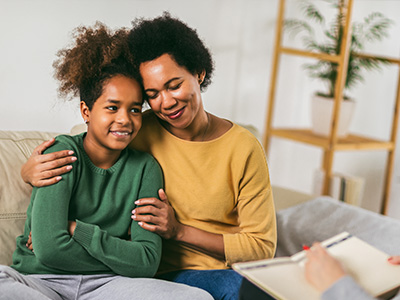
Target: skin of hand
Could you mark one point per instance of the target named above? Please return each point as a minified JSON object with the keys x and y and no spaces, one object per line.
{"x":157,"y":215}
{"x":395,"y":260}
{"x":45,"y":169}
{"x":321,"y":269}
{"x":158,"y":212}
{"x":71,"y":227}
{"x":29,"y":242}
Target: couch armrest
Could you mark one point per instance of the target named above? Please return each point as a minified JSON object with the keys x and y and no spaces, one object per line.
{"x":15,"y":148}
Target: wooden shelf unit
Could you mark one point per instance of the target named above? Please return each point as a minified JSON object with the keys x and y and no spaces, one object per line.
{"x":332,"y":143}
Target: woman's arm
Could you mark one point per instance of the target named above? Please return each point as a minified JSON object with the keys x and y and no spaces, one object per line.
{"x":256,"y":238}
{"x":45,"y":169}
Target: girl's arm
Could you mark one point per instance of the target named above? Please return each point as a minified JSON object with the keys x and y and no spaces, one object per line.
{"x":90,"y":249}
{"x":53,"y":245}
{"x":138,"y":257}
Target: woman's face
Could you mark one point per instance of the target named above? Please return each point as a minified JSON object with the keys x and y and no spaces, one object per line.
{"x":173,"y":92}
{"x":115,"y":117}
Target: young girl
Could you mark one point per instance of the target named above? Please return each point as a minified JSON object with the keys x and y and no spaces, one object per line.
{"x":85,"y":244}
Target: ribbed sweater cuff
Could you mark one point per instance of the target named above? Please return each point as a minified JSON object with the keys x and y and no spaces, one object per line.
{"x":83,"y":233}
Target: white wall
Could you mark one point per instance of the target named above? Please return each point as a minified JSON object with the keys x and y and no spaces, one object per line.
{"x":240,"y":34}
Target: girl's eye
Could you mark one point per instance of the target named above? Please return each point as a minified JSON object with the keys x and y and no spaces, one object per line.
{"x":113,"y":108}
{"x":136,"y":110}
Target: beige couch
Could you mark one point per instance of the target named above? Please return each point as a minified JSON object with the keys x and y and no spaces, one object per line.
{"x":15,"y":148}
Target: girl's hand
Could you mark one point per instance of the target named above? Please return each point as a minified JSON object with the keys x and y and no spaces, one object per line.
{"x":45,"y":169}
{"x":29,"y":242}
{"x":71,"y":227}
{"x":157,"y":215}
{"x":321,"y":269}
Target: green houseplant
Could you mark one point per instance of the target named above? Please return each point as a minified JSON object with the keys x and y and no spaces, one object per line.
{"x":373,"y":28}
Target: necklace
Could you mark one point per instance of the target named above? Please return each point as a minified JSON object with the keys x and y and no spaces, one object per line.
{"x":208,"y":124}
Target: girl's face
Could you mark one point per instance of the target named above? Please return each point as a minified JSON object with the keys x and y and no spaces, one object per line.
{"x":115,"y":117}
{"x":173,"y":92}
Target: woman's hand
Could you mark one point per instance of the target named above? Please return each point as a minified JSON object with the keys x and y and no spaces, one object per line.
{"x":395,"y":260}
{"x":321,"y":269}
{"x":157,"y":215}
{"x":45,"y":169}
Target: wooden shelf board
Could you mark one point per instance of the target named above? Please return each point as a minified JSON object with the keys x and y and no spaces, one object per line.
{"x":351,"y":142}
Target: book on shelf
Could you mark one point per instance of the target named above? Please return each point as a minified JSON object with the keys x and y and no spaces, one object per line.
{"x":284,"y":279}
{"x":343,"y":187}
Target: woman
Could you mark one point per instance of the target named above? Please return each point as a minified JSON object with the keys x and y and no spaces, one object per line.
{"x":84,"y":247}
{"x":219,"y":208}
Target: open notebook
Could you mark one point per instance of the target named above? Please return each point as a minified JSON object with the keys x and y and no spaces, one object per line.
{"x":283,"y":278}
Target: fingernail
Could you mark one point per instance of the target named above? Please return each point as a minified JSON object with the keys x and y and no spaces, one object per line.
{"x":69,"y":167}
{"x":133,"y":211}
{"x":74,"y":158}
{"x":390,"y":258}
{"x":70,"y":152}
{"x":137,"y":202}
{"x":305,"y":247}
{"x":134,"y":217}
{"x":140,"y":223}
{"x":58,"y":178}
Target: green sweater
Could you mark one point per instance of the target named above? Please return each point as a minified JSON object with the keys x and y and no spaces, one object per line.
{"x":100,"y":201}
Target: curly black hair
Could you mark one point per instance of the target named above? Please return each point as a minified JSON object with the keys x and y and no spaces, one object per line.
{"x":97,"y":55}
{"x":149,"y":39}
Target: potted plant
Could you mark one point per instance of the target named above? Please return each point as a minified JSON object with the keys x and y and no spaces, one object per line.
{"x":374,"y":28}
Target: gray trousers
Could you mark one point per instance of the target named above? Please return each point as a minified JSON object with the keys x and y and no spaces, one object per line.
{"x":15,"y":286}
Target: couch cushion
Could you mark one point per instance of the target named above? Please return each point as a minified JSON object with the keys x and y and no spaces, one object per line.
{"x":324,"y":217}
{"x":15,"y":148}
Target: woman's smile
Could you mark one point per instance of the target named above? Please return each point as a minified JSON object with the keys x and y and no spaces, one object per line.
{"x":176,"y":114}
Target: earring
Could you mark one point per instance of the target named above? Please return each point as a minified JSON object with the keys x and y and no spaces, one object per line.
{"x":201,"y":77}
{"x":86,"y":121}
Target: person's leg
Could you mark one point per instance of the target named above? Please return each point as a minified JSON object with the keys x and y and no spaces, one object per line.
{"x":98,"y":287}
{"x":248,"y":291}
{"x":15,"y":286}
{"x":221,"y":284}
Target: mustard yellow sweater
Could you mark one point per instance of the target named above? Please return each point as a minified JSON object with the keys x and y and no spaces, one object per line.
{"x":221,"y":186}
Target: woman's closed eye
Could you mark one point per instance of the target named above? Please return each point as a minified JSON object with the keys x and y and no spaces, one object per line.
{"x":175,"y":87}
{"x":152,"y":94}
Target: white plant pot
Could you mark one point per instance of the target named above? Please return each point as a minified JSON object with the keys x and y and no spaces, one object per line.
{"x":321,"y":114}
